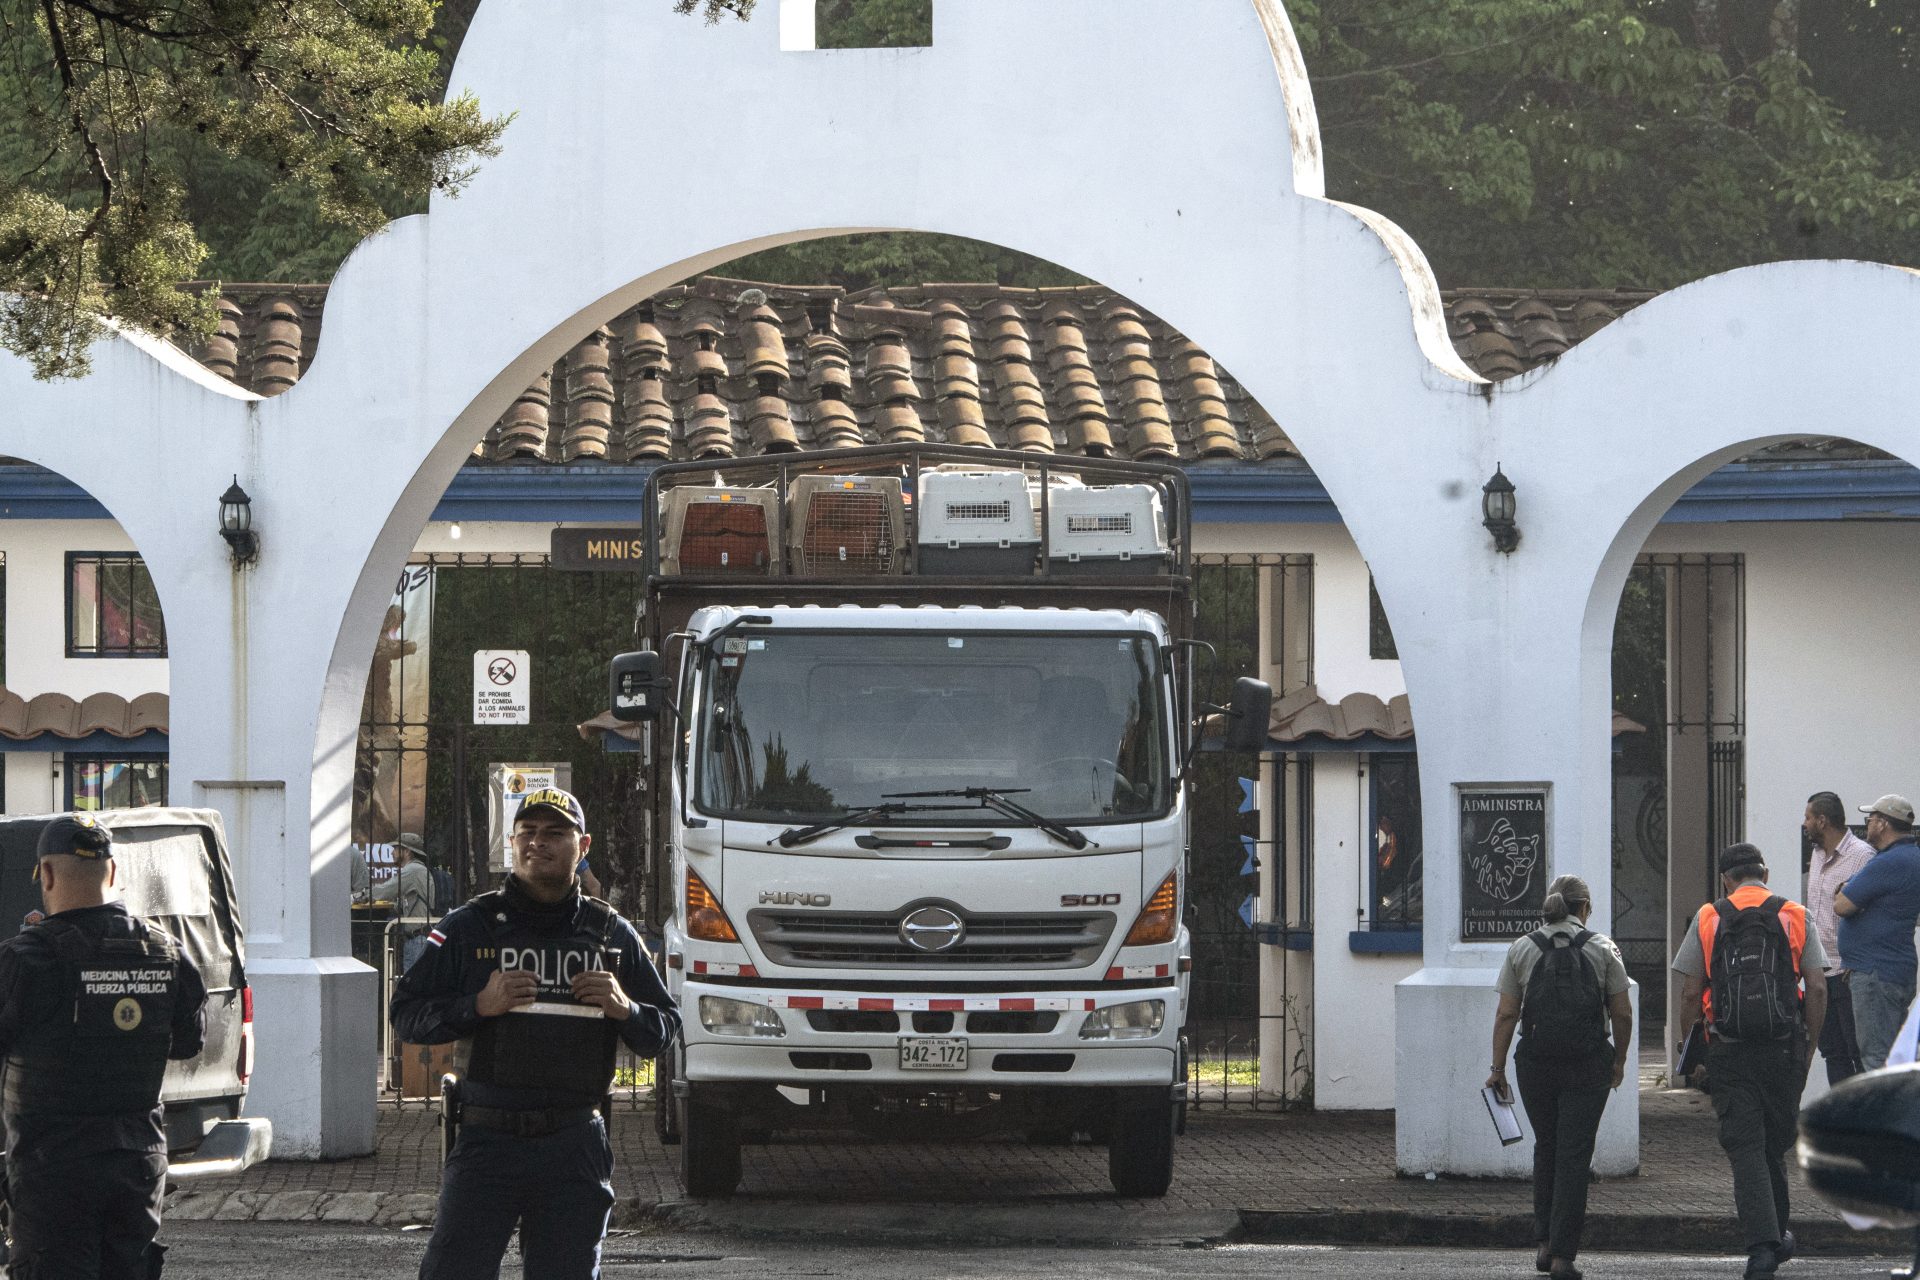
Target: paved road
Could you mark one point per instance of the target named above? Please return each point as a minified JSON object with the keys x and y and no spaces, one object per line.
{"x":291,"y":1251}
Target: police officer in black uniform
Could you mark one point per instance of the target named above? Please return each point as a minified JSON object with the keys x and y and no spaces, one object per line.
{"x":93,"y":1002}
{"x":539,"y":984}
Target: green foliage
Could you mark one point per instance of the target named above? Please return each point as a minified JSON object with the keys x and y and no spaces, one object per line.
{"x":874,"y":24}
{"x":714,"y":10}
{"x":1546,"y":143}
{"x":913,"y":257}
{"x":1618,"y":142}
{"x":128,"y":122}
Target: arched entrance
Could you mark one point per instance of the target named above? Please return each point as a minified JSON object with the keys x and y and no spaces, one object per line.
{"x":731,"y":368}
{"x":1756,"y":639}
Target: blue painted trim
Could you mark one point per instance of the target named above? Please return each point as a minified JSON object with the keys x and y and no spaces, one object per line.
{"x":1748,"y":491}
{"x":98,"y":743}
{"x":1290,"y":937}
{"x":1285,"y":492}
{"x":1279,"y":492}
{"x":542,"y":494}
{"x":1384,"y":942}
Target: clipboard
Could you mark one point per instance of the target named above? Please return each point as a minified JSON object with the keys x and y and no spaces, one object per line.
{"x":1506,"y":1125}
{"x":1693,"y":1052}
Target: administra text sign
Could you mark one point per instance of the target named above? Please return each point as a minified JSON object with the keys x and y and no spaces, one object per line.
{"x":1503,"y":861}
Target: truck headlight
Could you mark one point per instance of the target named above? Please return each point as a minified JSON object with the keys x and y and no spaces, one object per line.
{"x":724,"y":1017}
{"x":1140,"y":1020}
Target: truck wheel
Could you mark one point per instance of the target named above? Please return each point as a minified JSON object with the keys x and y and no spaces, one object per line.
{"x":709,"y":1150}
{"x":1140,"y":1150}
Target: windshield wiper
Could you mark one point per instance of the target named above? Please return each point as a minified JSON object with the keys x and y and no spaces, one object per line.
{"x":990,"y":798}
{"x":801,"y":835}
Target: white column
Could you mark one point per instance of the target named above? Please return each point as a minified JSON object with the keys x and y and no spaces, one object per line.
{"x":799,"y":25}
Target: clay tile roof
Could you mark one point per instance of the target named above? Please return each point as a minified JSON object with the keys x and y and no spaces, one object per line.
{"x":60,"y":716}
{"x":1304,"y":715}
{"x":720,"y":368}
{"x":1303,"y":718}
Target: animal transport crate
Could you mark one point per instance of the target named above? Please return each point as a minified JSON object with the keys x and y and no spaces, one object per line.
{"x":711,"y":530}
{"x":846,"y":525}
{"x":1110,"y":529}
{"x":975,"y":522}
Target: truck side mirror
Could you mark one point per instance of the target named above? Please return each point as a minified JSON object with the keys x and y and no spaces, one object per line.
{"x":1247,"y":715}
{"x":637,"y":686}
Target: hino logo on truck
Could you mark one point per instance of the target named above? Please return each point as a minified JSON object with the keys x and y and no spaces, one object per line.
{"x":788,"y":898}
{"x":932,"y":929}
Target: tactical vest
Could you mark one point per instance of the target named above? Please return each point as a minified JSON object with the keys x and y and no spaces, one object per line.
{"x":105,"y":1051}
{"x":555,"y":1045}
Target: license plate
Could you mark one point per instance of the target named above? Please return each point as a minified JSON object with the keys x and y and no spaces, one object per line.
{"x":933,"y":1053}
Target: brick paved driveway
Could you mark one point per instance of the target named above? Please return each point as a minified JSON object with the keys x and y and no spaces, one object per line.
{"x":1300,"y":1162}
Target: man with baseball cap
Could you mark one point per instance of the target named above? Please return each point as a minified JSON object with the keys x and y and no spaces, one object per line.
{"x":1878,"y":906}
{"x":411,"y":892}
{"x":539,"y":984}
{"x":1742,"y":965}
{"x":94,"y":1001}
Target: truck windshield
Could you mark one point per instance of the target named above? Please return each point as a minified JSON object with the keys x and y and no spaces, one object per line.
{"x":805,"y":726}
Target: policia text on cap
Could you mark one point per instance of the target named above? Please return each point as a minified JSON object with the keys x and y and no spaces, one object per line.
{"x":93,"y":1002}
{"x":539,"y":984}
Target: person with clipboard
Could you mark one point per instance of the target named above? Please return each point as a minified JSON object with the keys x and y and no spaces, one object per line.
{"x":539,"y":985}
{"x":1564,"y":986}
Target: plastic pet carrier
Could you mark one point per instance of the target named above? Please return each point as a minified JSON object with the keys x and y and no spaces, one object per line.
{"x":719,"y":531}
{"x":1118,"y":529}
{"x":978,"y":523}
{"x":848,"y":525}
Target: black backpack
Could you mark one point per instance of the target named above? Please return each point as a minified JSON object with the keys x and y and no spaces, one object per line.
{"x":1563,"y":1014}
{"x":1755,"y":989}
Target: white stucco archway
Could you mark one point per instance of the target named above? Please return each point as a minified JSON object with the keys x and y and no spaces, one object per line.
{"x":1197,"y":192}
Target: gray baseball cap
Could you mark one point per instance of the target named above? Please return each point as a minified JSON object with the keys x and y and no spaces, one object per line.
{"x":1899,"y":808}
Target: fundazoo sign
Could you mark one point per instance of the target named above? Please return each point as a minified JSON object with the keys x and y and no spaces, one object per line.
{"x":501,"y":685}
{"x":1503,"y":862}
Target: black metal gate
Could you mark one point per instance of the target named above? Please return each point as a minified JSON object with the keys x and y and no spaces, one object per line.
{"x":1232,"y":594}
{"x":422,"y":759}
{"x":1726,"y":803}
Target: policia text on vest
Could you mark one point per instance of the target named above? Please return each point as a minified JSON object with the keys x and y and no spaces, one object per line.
{"x":93,"y":1003}
{"x":540,"y":985}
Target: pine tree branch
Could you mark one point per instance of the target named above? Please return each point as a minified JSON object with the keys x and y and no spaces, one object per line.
{"x":95,"y":160}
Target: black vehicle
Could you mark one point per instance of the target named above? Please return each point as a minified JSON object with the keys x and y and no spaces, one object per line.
{"x":173,"y":869}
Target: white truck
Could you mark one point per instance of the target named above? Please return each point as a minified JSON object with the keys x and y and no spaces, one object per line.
{"x":921,"y":720}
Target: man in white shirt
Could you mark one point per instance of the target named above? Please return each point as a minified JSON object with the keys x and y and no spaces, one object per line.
{"x":1837,"y":854}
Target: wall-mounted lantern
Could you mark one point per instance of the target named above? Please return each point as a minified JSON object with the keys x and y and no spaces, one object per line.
{"x":236,"y":524}
{"x":1498,"y":505}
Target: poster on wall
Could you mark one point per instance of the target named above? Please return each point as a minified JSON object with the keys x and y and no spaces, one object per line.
{"x":390,"y":760}
{"x":1503,"y":862}
{"x":506,"y":784}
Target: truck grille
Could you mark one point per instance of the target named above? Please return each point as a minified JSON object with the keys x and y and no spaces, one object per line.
{"x":871,"y":940}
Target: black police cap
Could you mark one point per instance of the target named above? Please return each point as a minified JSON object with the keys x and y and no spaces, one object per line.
{"x":75,"y":834}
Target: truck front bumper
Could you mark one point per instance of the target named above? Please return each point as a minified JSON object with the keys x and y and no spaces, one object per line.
{"x":816,"y":1048}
